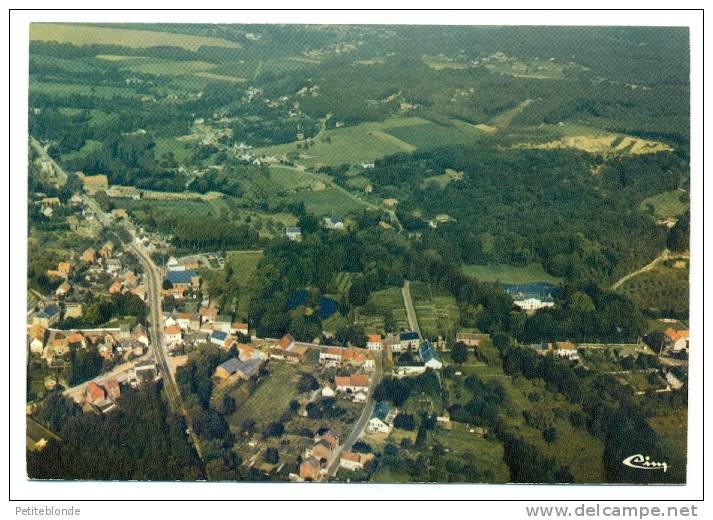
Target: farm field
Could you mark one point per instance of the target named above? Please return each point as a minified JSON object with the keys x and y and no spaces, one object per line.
{"x":168,"y":67}
{"x":330,"y":201}
{"x":350,"y":145}
{"x":68,"y":89}
{"x":509,"y":274}
{"x":79,"y":34}
{"x":431,"y":135}
{"x":664,"y":288}
{"x":384,"y":301}
{"x":436,"y":310}
{"x":667,"y":204}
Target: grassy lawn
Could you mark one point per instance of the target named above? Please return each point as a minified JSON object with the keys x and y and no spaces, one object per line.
{"x":180,"y":150}
{"x":666,"y":204}
{"x":271,"y":398}
{"x":488,"y":452}
{"x":82,"y":34}
{"x":509,"y":274}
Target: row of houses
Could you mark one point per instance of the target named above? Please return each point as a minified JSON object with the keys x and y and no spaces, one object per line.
{"x":53,"y":345}
{"x":351,"y":356}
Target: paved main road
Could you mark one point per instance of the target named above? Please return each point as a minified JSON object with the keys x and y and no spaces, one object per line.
{"x":153,"y":279}
{"x":363,"y":418}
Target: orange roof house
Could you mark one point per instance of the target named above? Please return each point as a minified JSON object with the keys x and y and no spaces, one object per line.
{"x":93,"y":392}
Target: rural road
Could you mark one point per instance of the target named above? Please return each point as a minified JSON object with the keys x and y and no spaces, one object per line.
{"x":363,"y":418}
{"x":663,"y":256}
{"x":61,"y":174}
{"x":410,"y":310}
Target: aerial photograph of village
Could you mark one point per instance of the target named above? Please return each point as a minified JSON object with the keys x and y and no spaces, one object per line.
{"x":358,"y":253}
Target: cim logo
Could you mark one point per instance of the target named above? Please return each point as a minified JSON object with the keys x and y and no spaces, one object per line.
{"x":639,"y":461}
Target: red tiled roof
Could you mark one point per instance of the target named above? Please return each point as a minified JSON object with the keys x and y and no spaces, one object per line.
{"x":285,"y":341}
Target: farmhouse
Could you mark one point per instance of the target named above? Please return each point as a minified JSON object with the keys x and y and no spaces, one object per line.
{"x":354,"y":461}
{"x":183,"y":279}
{"x":354,"y":383}
{"x":296,"y":353}
{"x":678,"y":339}
{"x":333,"y":223}
{"x":311,"y":469}
{"x":293,"y":233}
{"x":566,"y":349}
{"x":407,"y":339}
{"x":471,"y":339}
{"x":172,"y":335}
{"x":358,"y":357}
{"x":47,"y":316}
{"x":89,"y":256}
{"x":95,"y":183}
{"x":330,"y":356}
{"x":243,"y":369}
{"x":218,"y":337}
{"x":374,"y":342}
{"x":378,"y":420}
{"x":239,"y":328}
{"x":428,"y":355}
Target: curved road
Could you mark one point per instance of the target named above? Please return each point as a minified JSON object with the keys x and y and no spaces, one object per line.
{"x":361,"y":422}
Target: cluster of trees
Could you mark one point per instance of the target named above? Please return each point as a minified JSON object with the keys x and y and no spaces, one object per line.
{"x":398,"y":390}
{"x":98,"y":311}
{"x":141,"y":440}
{"x":522,"y":206}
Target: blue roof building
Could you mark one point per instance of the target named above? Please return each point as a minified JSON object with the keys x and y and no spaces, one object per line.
{"x":181,"y":277}
{"x":428,"y":355}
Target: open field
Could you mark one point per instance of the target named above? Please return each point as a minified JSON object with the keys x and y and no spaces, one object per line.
{"x":436,"y":310}
{"x":430,"y":135}
{"x":80,"y":34}
{"x":330,"y":201}
{"x":169,"y":67}
{"x":350,"y":145}
{"x":68,"y":89}
{"x":667,"y":204}
{"x":509,"y":274}
{"x":504,"y":119}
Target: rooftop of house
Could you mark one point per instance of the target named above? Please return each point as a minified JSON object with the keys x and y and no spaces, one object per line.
{"x":408,"y":335}
{"x":285,"y":341}
{"x":219,"y":335}
{"x":427,"y":352}
{"x":381,"y":410}
{"x":180,"y":276}
{"x":675,"y":335}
